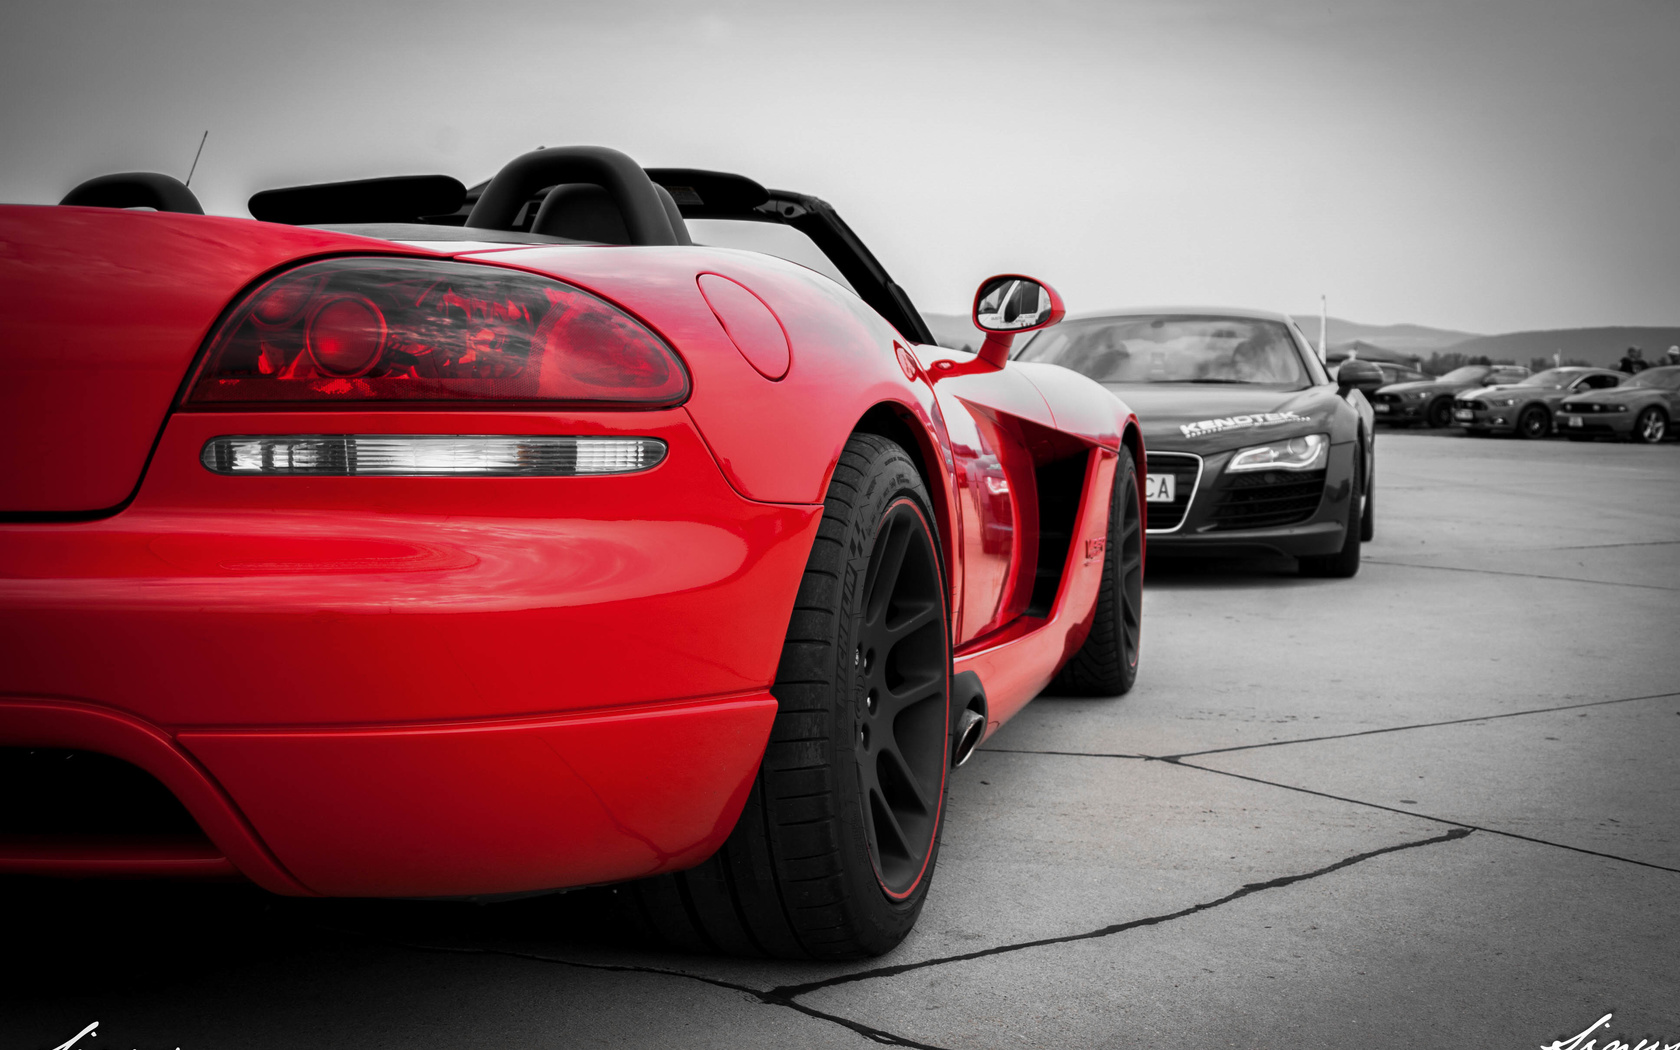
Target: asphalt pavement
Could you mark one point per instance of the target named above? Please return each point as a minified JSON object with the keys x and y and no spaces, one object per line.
{"x":1435,"y":804}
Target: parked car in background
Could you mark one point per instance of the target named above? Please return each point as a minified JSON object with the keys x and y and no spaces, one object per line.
{"x":1641,"y":409}
{"x":1251,"y":446}
{"x":1527,"y":409}
{"x":1430,"y":401}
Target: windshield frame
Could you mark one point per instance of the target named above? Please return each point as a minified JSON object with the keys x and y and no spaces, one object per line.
{"x":1479,"y":373}
{"x":1566,"y":376}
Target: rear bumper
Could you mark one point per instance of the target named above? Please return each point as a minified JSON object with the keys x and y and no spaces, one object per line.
{"x":409,"y":686}
{"x":421,"y":810}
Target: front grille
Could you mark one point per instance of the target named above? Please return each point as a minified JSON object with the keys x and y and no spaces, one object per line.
{"x":1586,"y":409}
{"x":1266,"y":499}
{"x":1185,"y":469}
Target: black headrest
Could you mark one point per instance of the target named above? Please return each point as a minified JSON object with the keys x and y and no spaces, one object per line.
{"x":639,"y":205}
{"x":583,"y":212}
{"x":135,"y":189}
{"x":586,"y":212}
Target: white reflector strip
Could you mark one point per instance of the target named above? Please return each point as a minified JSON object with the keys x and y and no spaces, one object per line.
{"x":430,"y":455}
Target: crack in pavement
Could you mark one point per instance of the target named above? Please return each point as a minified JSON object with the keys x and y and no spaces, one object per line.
{"x":1393,"y":729}
{"x":768,"y":998}
{"x":787,"y":995}
{"x":1525,"y":575}
{"x":1178,"y":760}
{"x":1425,"y":816}
{"x":790,"y":991}
{"x":1328,"y":736}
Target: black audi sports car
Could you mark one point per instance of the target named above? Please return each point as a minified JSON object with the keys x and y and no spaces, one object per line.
{"x":1431,"y":401}
{"x":1251,"y":445}
{"x":1642,"y":409}
{"x":1528,"y":408}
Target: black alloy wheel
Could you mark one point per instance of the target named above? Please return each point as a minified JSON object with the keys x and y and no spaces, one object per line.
{"x":1107,"y":664}
{"x":1651,"y":426}
{"x":836,"y":846}
{"x":903,"y":666}
{"x":1534,"y":422}
{"x":1440,"y":413}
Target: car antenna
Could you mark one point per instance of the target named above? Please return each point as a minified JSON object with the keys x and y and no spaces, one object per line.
{"x":197,"y":155}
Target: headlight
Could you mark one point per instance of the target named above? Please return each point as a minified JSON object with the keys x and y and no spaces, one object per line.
{"x":1502,"y":402}
{"x":1416,"y":395}
{"x":1302,"y":453}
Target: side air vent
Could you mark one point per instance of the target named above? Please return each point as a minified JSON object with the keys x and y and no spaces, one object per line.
{"x":1060,"y":484}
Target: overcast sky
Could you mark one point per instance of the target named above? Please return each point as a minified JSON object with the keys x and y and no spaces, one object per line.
{"x":1487,"y":166}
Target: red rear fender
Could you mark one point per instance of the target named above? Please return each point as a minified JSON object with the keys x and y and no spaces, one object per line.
{"x":101,"y":314}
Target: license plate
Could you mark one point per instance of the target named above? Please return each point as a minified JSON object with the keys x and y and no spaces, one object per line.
{"x":1574,"y":421}
{"x":1463,"y":413}
{"x":1160,"y":488}
{"x":1381,"y":406}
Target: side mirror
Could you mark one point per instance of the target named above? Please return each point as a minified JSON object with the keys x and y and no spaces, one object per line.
{"x":1358,"y":375}
{"x":1009,"y":304}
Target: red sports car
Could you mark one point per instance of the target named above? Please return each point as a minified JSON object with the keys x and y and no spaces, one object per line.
{"x":420,"y":541}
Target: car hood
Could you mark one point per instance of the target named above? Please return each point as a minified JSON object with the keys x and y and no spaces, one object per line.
{"x":1486,"y":391}
{"x":1212,"y":418}
{"x":1614,"y":394}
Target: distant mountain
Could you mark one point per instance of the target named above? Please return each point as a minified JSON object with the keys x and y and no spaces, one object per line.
{"x":1599,"y":346}
{"x":1414,"y":339}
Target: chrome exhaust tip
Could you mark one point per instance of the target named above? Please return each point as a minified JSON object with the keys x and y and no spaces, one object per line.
{"x":971,"y":726}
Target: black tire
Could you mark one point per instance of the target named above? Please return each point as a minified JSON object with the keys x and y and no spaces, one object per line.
{"x":1368,"y":520}
{"x":1534,"y":422}
{"x":833,"y":853}
{"x":1107,"y":664}
{"x":1439,"y":414}
{"x":1650,"y":427}
{"x":1345,"y":562}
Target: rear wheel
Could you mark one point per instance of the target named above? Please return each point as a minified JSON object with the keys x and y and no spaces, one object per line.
{"x":833,"y":853}
{"x":1107,"y":664}
{"x":1651,"y":426}
{"x":1535,"y":422}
